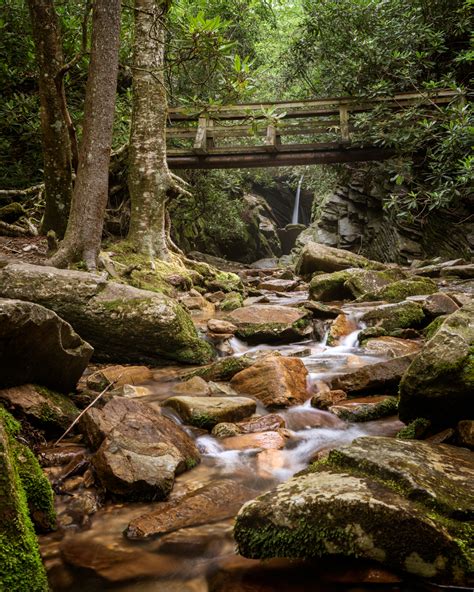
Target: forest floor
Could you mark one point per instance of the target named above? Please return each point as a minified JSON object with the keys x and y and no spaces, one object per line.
{"x":28,"y":249}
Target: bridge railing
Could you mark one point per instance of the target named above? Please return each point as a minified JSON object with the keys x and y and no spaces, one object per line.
{"x":214,"y":129}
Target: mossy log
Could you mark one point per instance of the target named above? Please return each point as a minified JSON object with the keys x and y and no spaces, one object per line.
{"x":122,"y":323}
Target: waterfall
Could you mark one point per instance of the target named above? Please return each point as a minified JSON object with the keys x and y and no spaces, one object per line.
{"x":296,"y":209}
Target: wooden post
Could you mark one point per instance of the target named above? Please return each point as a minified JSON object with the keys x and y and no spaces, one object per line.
{"x":209,"y":135}
{"x":273,"y":139}
{"x":344,"y":123}
{"x":200,"y":143}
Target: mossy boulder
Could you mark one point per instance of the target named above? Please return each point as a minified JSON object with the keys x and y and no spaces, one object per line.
{"x":123,"y":323}
{"x":390,"y":317}
{"x":42,"y":407}
{"x":401,"y":504}
{"x":365,"y":409}
{"x":402,"y":289}
{"x":222,"y":369}
{"x":369,"y":281}
{"x":11,"y":212}
{"x":317,"y":257}
{"x":231,"y":301}
{"x":327,"y":287}
{"x":21,"y":568}
{"x":439,"y":383}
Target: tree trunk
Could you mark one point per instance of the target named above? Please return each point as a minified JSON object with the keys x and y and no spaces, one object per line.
{"x":89,"y":200}
{"x":55,"y":135}
{"x":149,"y":179}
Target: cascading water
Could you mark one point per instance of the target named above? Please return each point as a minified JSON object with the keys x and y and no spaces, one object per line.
{"x":296,"y":209}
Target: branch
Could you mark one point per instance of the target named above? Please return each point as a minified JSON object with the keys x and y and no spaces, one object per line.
{"x":22,"y":192}
{"x":13,"y":230}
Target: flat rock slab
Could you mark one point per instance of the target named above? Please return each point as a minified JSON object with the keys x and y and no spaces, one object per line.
{"x":211,"y":503}
{"x":261,"y":323}
{"x":277,"y":285}
{"x":38,"y":346}
{"x":206,"y":412}
{"x":378,"y":498}
{"x":438,"y":474}
{"x":276,"y":381}
{"x":317,"y":257}
{"x":392,"y":347}
{"x":379,"y":376}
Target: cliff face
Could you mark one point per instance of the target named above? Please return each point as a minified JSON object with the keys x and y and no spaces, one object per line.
{"x":353,"y":218}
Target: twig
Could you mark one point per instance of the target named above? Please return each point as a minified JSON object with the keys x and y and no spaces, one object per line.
{"x":108,"y":387}
{"x":22,"y":192}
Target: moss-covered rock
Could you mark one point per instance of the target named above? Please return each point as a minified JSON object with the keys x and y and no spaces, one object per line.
{"x":11,"y":212}
{"x":390,"y":317}
{"x":318,"y":257}
{"x":330,"y":286}
{"x":354,"y":411}
{"x":368,"y":281}
{"x":206,"y":412}
{"x":415,"y":430}
{"x":231,"y":301}
{"x":222,"y":369}
{"x":381,"y":499}
{"x":439,"y":383}
{"x":401,"y":289}
{"x":21,"y":568}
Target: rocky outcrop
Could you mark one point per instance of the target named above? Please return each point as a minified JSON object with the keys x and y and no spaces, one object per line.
{"x":439,"y":384}
{"x":122,"y":323}
{"x":260,"y":323}
{"x":139,"y":451}
{"x":276,"y":381}
{"x":213,"y":502}
{"x":402,"y":504}
{"x":20,"y":562}
{"x":43,"y":408}
{"x":206,"y":412}
{"x":319,"y":257}
{"x":37,"y":346}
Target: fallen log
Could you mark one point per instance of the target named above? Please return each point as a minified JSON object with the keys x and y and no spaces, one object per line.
{"x":122,"y":323}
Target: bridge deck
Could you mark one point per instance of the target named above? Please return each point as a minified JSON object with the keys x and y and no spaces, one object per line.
{"x":271,"y":134}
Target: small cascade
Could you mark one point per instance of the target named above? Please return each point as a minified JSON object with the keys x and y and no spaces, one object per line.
{"x":296,"y":209}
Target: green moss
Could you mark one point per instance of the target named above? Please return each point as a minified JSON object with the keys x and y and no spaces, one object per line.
{"x":370,"y":412}
{"x":330,"y":286}
{"x":60,"y":412}
{"x":397,"y":316}
{"x":415,"y":430}
{"x":191,"y":463}
{"x":402,"y":289}
{"x":21,"y":568}
{"x":232,"y":301}
{"x":223,"y":369}
{"x":11,"y":212}
{"x":203,"y":421}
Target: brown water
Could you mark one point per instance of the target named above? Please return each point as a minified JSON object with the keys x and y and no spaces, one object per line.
{"x":202,"y":558}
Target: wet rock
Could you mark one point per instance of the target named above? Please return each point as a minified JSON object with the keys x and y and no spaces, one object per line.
{"x":322,"y":311}
{"x":439,"y":304}
{"x":391,"y":346}
{"x":38,"y":346}
{"x":327,"y":398}
{"x":276,"y":381}
{"x":260,"y":323}
{"x":223,"y":369}
{"x":439,"y":383}
{"x":395,"y":316}
{"x":131,"y":391}
{"x":213,"y":502}
{"x":206,"y":412}
{"x":365,"y":408}
{"x":118,"y":376}
{"x":465,"y":433}
{"x":278,"y":285}
{"x":21,"y":567}
{"x":193,"y":387}
{"x":303,"y":418}
{"x":42,"y":407}
{"x":378,"y":376}
{"x":341,"y":327}
{"x":336,"y":511}
{"x":262,"y":423}
{"x":139,"y":450}
{"x":317,"y":257}
{"x":122,"y":323}
{"x":263,"y":441}
{"x":220,"y":326}
{"x":194,"y":301}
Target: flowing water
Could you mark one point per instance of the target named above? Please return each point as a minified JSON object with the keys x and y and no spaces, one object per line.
{"x":200,"y":558}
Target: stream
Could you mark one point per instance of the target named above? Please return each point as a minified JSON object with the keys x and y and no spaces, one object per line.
{"x":202,"y":558}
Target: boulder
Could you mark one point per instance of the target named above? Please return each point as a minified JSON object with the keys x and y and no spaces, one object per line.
{"x":381,"y":376}
{"x":259,"y":441}
{"x":402,"y":289}
{"x":231,"y":301}
{"x":327,"y":287}
{"x":220,"y":326}
{"x":277,"y":285}
{"x":322,"y":311}
{"x":389,"y":317}
{"x":260,"y":323}
{"x":439,"y":383}
{"x":276,"y":381}
{"x":369,"y":281}
{"x":206,"y":412}
{"x":118,"y":376}
{"x":40,"y":406}
{"x":327,"y":398}
{"x":222,"y":369}
{"x":439,"y":304}
{"x":211,"y":503}
{"x":461,"y":271}
{"x":365,"y":408}
{"x":122,"y":323}
{"x":38,"y":346}
{"x":361,"y":502}
{"x":391,"y":347}
{"x":263,"y":423}
{"x":139,"y":450}
{"x":317,"y":257}
{"x":21,"y":567}
{"x":193,"y":387}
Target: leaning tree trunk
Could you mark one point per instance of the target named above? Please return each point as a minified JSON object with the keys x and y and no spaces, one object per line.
{"x":57,"y":153}
{"x":149,"y":179}
{"x":89,"y":200}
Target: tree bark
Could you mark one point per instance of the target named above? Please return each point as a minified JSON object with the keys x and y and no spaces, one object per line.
{"x":149,"y":179}
{"x":89,"y":200}
{"x":57,"y":152}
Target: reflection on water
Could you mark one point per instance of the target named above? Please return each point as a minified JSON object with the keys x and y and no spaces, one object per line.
{"x":202,"y":558}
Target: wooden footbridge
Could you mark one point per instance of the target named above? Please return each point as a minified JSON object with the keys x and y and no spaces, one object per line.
{"x":250,"y":135}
